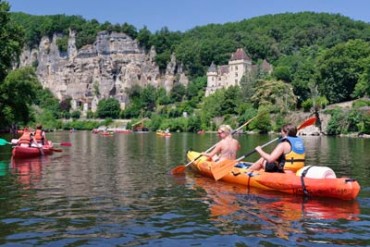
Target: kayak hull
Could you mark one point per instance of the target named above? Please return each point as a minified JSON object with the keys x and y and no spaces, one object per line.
{"x":164,"y":134}
{"x":20,"y":152}
{"x":342,"y":188}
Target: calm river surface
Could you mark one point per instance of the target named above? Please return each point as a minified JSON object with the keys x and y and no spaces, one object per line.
{"x":116,"y":191}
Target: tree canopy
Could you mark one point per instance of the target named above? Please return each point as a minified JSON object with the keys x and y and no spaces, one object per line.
{"x":317,"y":58}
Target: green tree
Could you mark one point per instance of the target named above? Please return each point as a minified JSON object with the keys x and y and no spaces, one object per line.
{"x":362,"y":87}
{"x":263,"y":121}
{"x":337,"y":123}
{"x":340,"y":68}
{"x":108,"y":108}
{"x":274,"y":94}
{"x":17,"y":94}
{"x":194,"y":123}
{"x":47,"y":101}
{"x":177,"y":93}
{"x":76,"y":114}
{"x":232,"y":98}
{"x":129,"y":29}
{"x":11,"y":40}
{"x":211,"y":106}
{"x":162,"y":97}
{"x":196,"y":89}
{"x":143,"y":37}
{"x":148,"y":97}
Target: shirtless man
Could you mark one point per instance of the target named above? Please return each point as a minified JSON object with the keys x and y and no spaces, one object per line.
{"x":227,"y":147}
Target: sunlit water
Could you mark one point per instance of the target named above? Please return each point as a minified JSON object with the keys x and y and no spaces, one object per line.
{"x":116,"y":191}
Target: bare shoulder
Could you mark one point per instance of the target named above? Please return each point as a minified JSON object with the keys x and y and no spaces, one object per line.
{"x":285,"y":146}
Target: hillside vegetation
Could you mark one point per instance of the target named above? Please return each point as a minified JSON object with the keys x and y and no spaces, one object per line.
{"x":318,"y":59}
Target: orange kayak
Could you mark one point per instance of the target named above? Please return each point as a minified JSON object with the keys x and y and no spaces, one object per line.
{"x":287,"y":208}
{"x":164,"y":134}
{"x":342,"y":188}
{"x":24,"y":152}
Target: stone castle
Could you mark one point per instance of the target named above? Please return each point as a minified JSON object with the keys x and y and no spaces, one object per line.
{"x":224,"y":76}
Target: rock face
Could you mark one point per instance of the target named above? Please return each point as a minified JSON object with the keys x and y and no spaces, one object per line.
{"x":104,"y":69}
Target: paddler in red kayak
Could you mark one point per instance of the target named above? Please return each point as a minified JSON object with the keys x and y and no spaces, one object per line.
{"x":27,"y":138}
{"x":40,"y":136}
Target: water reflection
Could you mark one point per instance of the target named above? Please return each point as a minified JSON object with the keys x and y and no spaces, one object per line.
{"x":280,"y":213}
{"x":116,"y":191}
{"x":3,"y":168}
{"x":28,"y":171}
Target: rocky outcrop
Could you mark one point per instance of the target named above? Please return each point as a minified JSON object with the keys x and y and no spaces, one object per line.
{"x":104,"y":69}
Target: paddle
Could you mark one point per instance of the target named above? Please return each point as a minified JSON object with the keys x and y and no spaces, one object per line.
{"x":224,"y":167}
{"x":4,"y":142}
{"x":39,"y":146}
{"x":65,"y":144}
{"x":181,"y":169}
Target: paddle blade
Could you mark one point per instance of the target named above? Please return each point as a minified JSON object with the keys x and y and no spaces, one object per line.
{"x":178,"y":170}
{"x":66,"y":144}
{"x":3,"y":142}
{"x":222,"y":168}
{"x":308,"y":122}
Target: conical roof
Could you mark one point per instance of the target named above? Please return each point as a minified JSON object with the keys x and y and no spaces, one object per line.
{"x":212,"y":68}
{"x":239,"y":55}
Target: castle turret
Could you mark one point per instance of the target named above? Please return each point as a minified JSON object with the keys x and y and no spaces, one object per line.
{"x":239,"y":64}
{"x":224,"y":76}
{"x":211,"y":79}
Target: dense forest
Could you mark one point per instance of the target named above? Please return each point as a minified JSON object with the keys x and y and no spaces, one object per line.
{"x":318,"y":59}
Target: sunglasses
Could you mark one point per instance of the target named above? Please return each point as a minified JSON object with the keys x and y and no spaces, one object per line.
{"x":220,"y":132}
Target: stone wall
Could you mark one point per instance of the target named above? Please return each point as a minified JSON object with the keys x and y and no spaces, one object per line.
{"x":104,"y":69}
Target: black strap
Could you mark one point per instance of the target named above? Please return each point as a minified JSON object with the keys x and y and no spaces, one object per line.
{"x":235,"y":173}
{"x":295,"y":160}
{"x":304,"y":173}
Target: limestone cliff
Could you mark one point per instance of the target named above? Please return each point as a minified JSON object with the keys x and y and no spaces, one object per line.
{"x":100,"y":70}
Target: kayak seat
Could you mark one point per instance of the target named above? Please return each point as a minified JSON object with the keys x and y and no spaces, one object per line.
{"x":243,"y":165}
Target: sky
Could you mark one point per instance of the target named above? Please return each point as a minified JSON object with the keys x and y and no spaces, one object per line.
{"x":182,"y":15}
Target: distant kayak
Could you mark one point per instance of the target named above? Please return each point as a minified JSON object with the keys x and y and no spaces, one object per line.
{"x":124,"y":131}
{"x":162,"y":133}
{"x":106,"y":133}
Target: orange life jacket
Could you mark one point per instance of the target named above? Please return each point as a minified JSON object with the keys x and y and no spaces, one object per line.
{"x":39,"y":136}
{"x":26,"y":137}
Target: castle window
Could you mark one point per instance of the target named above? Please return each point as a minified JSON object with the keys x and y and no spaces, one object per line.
{"x":236,"y":67}
{"x":236,"y":74}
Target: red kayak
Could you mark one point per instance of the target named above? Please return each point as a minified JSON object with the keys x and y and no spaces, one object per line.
{"x":23,"y":152}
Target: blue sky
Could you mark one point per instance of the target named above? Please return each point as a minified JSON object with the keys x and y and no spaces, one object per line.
{"x":182,"y":15}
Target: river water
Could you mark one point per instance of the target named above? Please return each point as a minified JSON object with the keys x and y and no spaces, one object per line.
{"x":116,"y":191}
